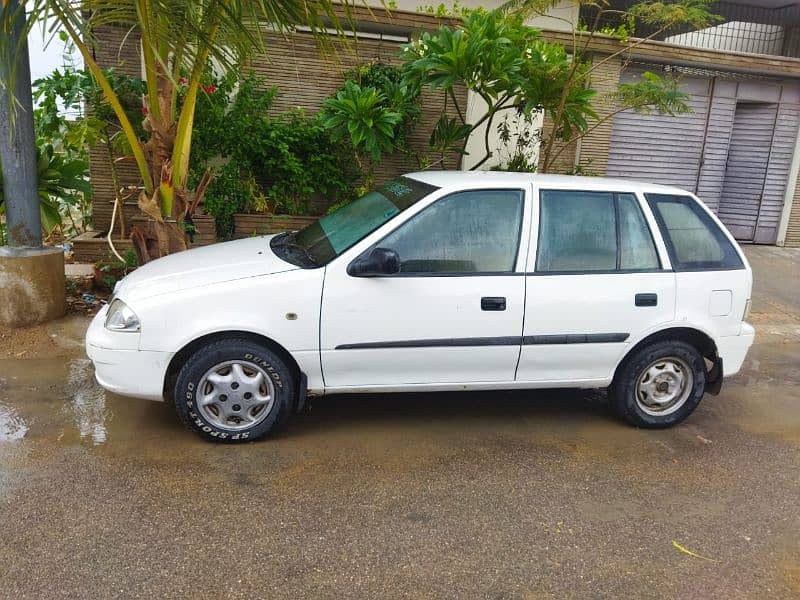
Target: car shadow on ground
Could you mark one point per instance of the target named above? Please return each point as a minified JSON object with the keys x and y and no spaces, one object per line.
{"x":395,"y":413}
{"x":502,"y":408}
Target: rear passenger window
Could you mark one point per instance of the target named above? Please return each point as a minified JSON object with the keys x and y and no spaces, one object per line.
{"x":694,"y":240}
{"x":593,"y":231}
{"x":637,"y":249}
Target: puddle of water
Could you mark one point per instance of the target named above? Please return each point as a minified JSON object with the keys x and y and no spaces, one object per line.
{"x":86,"y":403}
{"x":12,"y":426}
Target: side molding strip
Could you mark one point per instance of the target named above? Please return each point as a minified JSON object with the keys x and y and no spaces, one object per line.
{"x":437,"y":343}
{"x":575,"y":338}
{"x":528,"y":340}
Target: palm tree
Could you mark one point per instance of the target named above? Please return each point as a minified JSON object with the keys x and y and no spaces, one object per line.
{"x":179,"y":38}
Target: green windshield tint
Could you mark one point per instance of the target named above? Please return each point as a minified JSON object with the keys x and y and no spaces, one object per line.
{"x":357,"y":219}
{"x":338,"y":231}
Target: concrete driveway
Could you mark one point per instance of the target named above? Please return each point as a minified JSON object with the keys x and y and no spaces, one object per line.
{"x":489,"y":495}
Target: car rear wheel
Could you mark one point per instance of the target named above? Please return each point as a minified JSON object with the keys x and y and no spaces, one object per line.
{"x":234,"y":390}
{"x":660,"y":385}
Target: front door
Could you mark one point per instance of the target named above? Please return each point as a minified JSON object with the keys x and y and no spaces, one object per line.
{"x":453,"y":314}
{"x":597,"y":285}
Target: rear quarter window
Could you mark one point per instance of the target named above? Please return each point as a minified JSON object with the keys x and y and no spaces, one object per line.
{"x":695,"y":242}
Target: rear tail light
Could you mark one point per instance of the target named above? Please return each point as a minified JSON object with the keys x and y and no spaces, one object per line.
{"x":746,"y":310}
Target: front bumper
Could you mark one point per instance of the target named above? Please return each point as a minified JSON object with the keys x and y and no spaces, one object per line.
{"x":119,"y":365}
{"x":732,"y":349}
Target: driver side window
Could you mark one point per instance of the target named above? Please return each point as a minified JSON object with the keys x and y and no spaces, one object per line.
{"x":466,"y":232}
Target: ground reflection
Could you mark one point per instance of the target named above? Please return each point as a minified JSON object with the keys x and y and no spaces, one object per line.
{"x":86,"y":404}
{"x":12,"y":425}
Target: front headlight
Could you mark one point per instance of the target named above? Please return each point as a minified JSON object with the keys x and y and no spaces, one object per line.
{"x":121,"y":318}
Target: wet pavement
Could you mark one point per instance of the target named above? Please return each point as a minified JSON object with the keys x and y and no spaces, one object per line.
{"x":496,"y":495}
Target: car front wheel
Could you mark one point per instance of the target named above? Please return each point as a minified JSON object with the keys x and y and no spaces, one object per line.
{"x":660,"y":385}
{"x":234,"y":390}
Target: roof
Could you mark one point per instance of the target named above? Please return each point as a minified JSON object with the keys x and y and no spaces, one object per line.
{"x":445,"y":179}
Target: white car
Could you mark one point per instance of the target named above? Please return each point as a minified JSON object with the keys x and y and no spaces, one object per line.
{"x":441,"y":281}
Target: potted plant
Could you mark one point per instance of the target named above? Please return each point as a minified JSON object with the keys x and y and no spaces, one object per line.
{"x":108,"y":271}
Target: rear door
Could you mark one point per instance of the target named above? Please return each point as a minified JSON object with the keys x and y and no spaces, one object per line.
{"x":595,"y":281}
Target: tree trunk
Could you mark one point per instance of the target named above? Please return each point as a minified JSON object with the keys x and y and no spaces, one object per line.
{"x":160,"y":234}
{"x":17,"y":137}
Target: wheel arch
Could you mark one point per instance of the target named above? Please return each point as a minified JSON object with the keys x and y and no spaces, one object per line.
{"x":697,"y":338}
{"x":194,"y":345}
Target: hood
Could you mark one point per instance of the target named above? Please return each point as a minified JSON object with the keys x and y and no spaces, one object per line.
{"x":208,"y":265}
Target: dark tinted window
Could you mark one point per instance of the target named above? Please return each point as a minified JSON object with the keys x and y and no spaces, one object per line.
{"x":327,"y":238}
{"x":577,"y":231}
{"x":593,"y":231}
{"x":694,"y":240}
{"x":467,"y":232}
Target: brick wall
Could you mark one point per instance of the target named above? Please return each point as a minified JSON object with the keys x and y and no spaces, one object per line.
{"x":593,"y":148}
{"x":304,"y":78}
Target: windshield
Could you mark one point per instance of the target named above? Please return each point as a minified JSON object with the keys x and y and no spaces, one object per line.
{"x":327,"y":238}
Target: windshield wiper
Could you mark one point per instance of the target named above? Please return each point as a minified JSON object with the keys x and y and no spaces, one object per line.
{"x":285,"y":241}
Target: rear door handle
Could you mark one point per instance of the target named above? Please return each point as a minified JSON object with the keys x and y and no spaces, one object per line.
{"x":493,"y":303}
{"x":646,"y":300}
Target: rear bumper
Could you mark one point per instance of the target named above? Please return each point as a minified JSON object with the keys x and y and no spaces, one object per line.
{"x":732,"y":349}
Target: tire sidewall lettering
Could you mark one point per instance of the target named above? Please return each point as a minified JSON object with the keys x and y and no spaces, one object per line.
{"x":188,"y":380}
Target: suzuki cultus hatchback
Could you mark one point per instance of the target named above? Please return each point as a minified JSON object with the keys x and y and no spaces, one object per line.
{"x":441,"y":281}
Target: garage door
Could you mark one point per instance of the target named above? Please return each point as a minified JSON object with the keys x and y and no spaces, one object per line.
{"x":746,"y":169}
{"x":660,"y":149}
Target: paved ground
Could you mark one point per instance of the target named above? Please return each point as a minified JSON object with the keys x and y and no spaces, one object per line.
{"x":498,"y":495}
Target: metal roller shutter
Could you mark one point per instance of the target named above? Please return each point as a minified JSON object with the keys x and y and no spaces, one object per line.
{"x":746,"y":170}
{"x":660,"y":149}
{"x":780,"y":164}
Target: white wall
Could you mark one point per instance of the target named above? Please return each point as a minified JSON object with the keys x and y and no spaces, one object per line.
{"x":735,"y":36}
{"x":562,"y":16}
{"x":476,"y":147}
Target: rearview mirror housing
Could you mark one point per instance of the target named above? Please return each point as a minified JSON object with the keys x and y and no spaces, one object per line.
{"x":375,"y":263}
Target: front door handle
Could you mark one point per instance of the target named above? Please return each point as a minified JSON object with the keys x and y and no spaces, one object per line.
{"x":646,"y":300}
{"x":493,"y":303}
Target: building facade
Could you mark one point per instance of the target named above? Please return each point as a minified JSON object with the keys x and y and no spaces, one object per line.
{"x":738,"y":150}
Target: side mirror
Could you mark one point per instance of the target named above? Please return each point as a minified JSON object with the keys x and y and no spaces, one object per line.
{"x":378,"y":261}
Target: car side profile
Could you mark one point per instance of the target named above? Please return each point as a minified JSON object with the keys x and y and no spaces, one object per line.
{"x":441,"y":281}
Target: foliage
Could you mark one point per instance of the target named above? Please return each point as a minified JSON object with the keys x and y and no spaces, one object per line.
{"x":442,"y":10}
{"x":297,"y":157}
{"x":61,"y":183}
{"x":364,"y":116}
{"x":112,"y":269}
{"x":286,"y":161}
{"x":183,"y":36}
{"x":692,"y":13}
{"x":374,"y":112}
{"x":651,"y":94}
{"x":227,"y":110}
{"x":400,"y":97}
{"x":503,"y":61}
{"x":226,"y":196}
{"x":507,"y":64}
{"x":65,"y":132}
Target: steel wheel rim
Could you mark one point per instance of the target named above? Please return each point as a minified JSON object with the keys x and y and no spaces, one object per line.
{"x":235,"y":395}
{"x":664,"y":386}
